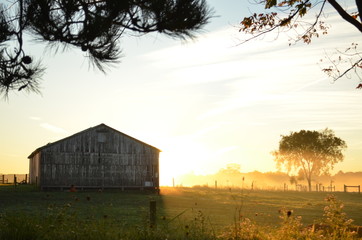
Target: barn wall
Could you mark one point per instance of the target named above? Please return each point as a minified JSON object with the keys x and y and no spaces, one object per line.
{"x":102,"y":158}
{"x":34,"y":169}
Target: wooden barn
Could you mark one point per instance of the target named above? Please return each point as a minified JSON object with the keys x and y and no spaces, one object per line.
{"x":100,"y":158}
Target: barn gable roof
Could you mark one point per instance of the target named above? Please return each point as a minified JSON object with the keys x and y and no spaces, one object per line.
{"x":84,"y":131}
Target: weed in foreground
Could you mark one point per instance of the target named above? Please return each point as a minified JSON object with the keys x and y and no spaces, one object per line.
{"x":334,"y":226}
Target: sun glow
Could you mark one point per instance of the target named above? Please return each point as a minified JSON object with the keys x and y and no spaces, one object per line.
{"x":180,"y":156}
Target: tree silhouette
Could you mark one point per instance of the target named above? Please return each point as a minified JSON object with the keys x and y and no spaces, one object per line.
{"x":94,"y":26}
{"x":286,"y":15}
{"x":309,"y":152}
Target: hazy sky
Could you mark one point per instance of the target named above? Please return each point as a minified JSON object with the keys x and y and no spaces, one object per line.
{"x":204,"y":103}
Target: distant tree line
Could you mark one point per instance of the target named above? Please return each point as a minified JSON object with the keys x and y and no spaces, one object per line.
{"x":267,"y":180}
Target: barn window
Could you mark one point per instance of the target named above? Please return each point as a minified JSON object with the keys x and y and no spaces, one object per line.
{"x":101,"y":137}
{"x":86,"y":146}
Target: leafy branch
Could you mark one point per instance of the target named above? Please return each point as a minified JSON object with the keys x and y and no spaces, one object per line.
{"x":287,"y":15}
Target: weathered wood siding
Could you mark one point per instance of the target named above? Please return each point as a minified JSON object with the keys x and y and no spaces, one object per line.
{"x":34,"y":169}
{"x":98,"y":157}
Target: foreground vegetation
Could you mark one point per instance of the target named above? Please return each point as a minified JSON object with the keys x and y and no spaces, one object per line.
{"x":182,"y":213}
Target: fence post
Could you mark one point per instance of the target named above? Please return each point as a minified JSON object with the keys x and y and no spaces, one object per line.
{"x":3,"y":179}
{"x":26,"y":178}
{"x":14,"y":180}
{"x":215,"y":184}
{"x":153,"y":211}
{"x":344,"y":187}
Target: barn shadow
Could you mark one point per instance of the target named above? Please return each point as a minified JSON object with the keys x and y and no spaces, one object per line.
{"x":131,"y":206}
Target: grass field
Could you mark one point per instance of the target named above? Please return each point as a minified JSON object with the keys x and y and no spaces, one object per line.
{"x":222,"y":206}
{"x":215,"y":209}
